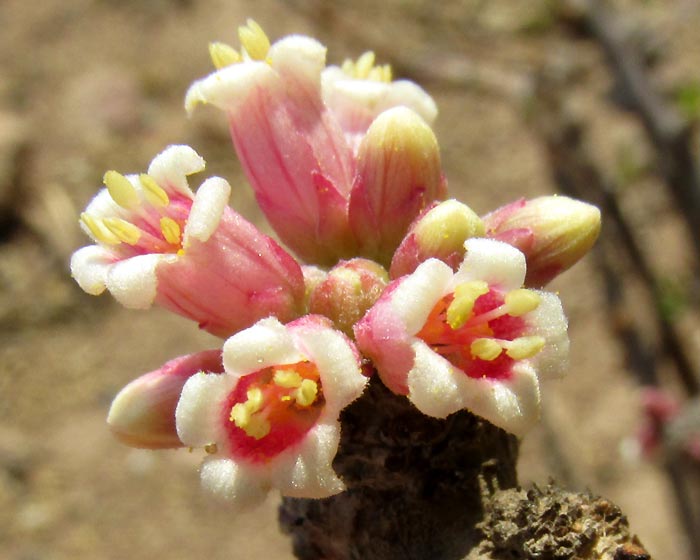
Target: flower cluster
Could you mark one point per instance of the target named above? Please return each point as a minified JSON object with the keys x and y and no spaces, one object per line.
{"x":445,"y":306}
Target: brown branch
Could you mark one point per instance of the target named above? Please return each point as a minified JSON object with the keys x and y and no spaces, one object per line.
{"x":420,"y":488}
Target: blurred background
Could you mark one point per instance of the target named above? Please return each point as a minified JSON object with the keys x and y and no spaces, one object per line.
{"x":538,"y":97}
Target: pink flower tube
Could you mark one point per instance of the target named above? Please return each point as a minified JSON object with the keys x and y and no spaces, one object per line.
{"x":307,"y":153}
{"x":271,"y":420}
{"x":157,"y":242}
{"x":471,"y":339}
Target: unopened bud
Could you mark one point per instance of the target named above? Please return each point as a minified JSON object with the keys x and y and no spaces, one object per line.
{"x":440,"y":233}
{"x":350,"y":289}
{"x":398,"y":175}
{"x":553,"y":232}
{"x":143,"y":413}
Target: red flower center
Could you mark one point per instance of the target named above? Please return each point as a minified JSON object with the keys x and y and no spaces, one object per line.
{"x":272,"y":409}
{"x":479,"y":329}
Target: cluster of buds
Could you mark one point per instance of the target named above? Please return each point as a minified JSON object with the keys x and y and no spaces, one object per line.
{"x":384,"y":276}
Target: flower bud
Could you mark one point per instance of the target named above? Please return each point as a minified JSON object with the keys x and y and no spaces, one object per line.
{"x":440,"y":233}
{"x":349,"y":290}
{"x":398,"y":176}
{"x":143,"y":413}
{"x":553,"y":232}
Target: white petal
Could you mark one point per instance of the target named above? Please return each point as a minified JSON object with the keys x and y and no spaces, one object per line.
{"x":515,"y":404}
{"x":338,"y":366}
{"x":171,"y":167}
{"x":416,"y":295}
{"x":233,"y":481}
{"x":434,"y":385}
{"x":438,"y":389}
{"x":265,"y":344}
{"x":227,"y":87}
{"x":308,"y":471}
{"x":199,"y":410}
{"x":90,"y":267}
{"x":133,"y":282}
{"x":300,"y":56}
{"x":494,"y":262}
{"x":409,"y":94}
{"x":208,"y":207}
{"x":549,"y":321}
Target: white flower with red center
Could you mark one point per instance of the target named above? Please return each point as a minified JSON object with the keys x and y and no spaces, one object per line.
{"x":271,"y":420}
{"x":472,"y":339}
{"x":158,"y":242}
{"x":340,"y":165}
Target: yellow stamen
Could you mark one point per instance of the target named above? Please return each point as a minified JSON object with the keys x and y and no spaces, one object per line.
{"x":211,"y":448}
{"x":223,"y":55}
{"x":154,"y":194}
{"x":121,"y":190}
{"x":525,"y":347}
{"x":240,"y":415}
{"x":99,"y":230}
{"x":486,"y":349}
{"x":255,"y":399}
{"x":348,"y":67}
{"x":306,"y":394}
{"x":125,"y":231}
{"x":380,"y":73}
{"x":287,"y":378}
{"x":387,"y":73}
{"x":243,"y":414}
{"x":257,"y":427}
{"x":519,"y":302}
{"x":254,"y":40}
{"x":171,"y":230}
{"x":461,"y":307}
{"x":364,"y":65}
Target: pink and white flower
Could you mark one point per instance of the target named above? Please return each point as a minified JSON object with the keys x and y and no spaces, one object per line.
{"x":158,"y":242}
{"x":325,"y":183}
{"x":471,"y":339}
{"x":271,"y":420}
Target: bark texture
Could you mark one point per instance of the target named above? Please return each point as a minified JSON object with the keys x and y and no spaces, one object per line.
{"x":421,"y":488}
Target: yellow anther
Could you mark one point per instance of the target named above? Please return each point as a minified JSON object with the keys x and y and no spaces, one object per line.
{"x":255,"y":399}
{"x":223,"y":55}
{"x":387,"y":72}
{"x":525,"y":347}
{"x":364,"y":65}
{"x":486,"y":349}
{"x":380,"y":73}
{"x":99,"y":230}
{"x":254,"y":40}
{"x":121,"y":190}
{"x":171,"y":230}
{"x":154,"y":194}
{"x":519,"y":302}
{"x":462,"y":305}
{"x":306,"y":394}
{"x":125,"y":231}
{"x":240,"y":415}
{"x":211,"y":448}
{"x":257,"y":427}
{"x":348,"y":67}
{"x":287,"y":378}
